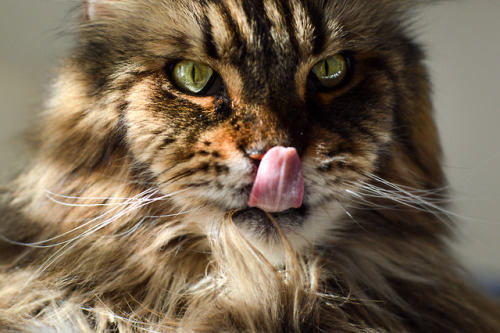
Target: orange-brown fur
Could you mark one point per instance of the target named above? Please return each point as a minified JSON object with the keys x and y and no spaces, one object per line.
{"x":129,"y":218}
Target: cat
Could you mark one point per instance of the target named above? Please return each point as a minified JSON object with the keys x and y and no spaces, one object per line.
{"x":236,"y":166}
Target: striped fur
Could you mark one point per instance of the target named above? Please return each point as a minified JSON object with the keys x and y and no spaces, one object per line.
{"x":132,"y":216}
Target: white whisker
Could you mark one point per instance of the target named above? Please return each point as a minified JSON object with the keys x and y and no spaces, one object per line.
{"x":40,"y":243}
{"x":51,"y":195}
{"x":119,"y":210}
{"x":405,"y":198}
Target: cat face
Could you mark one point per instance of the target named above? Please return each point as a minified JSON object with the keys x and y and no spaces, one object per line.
{"x":205,"y":89}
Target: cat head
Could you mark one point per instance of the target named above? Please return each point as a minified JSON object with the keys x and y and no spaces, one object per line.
{"x":196,"y":93}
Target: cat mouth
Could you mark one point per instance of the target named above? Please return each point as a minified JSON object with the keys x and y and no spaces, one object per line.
{"x":257,"y":218}
{"x":276,"y":196}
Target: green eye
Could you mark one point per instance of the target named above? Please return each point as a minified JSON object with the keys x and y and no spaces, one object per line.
{"x":331,"y":72}
{"x":192,"y":76}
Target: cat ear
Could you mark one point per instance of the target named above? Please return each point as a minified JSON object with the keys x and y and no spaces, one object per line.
{"x":96,"y":9}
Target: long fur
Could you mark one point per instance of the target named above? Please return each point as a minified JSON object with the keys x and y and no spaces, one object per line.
{"x":131,"y":217}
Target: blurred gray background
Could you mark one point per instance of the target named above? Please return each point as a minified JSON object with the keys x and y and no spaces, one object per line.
{"x":462,"y":39}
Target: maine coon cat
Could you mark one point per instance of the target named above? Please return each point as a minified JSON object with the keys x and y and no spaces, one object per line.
{"x":236,"y":166}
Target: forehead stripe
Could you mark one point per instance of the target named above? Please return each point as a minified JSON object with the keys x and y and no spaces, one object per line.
{"x":208,"y":37}
{"x":286,"y":11}
{"x":261,"y":24}
{"x":316,"y":18}
{"x":230,"y":23}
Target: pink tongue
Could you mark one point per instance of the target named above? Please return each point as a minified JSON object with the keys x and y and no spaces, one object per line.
{"x":279,"y":184}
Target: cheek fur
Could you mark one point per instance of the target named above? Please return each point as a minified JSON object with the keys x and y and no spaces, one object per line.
{"x":203,"y":161}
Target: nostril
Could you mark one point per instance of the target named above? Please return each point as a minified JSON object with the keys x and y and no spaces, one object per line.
{"x":256,"y":156}
{"x":255,"y":159}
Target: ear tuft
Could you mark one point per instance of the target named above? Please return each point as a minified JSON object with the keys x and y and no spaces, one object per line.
{"x":96,"y":9}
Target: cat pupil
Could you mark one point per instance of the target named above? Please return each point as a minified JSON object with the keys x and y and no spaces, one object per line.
{"x":193,"y":75}
{"x":325,"y":63}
